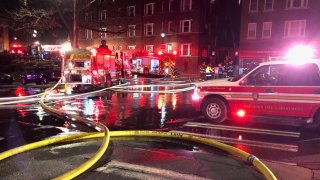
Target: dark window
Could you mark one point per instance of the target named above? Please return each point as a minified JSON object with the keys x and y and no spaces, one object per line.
{"x":299,"y":75}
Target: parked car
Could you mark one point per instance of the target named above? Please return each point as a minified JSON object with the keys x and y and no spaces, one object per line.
{"x":6,"y":78}
{"x":40,"y":76}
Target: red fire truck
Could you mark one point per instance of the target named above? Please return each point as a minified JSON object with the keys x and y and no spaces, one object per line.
{"x":97,"y":67}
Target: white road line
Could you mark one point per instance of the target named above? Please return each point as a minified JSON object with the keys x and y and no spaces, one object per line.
{"x":261,"y":144}
{"x":244,"y":129}
{"x":143,"y":172}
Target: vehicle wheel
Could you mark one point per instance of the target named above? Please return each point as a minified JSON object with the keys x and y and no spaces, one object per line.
{"x":215,"y":110}
{"x":44,"y":81}
{"x":23,"y":81}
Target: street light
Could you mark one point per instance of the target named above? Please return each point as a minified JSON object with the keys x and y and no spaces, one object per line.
{"x":35,"y":31}
{"x":163,"y":35}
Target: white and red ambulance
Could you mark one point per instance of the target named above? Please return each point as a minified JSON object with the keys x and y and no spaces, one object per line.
{"x":279,"y":90}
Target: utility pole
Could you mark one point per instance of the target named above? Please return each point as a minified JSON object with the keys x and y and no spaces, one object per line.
{"x":75,"y":25}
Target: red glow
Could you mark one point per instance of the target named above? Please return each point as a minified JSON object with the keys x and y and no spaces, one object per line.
{"x":160,"y":53}
{"x":95,"y":72}
{"x":174,"y":53}
{"x":174,"y":101}
{"x":241,"y":113}
{"x":15,"y":45}
{"x":20,"y":92}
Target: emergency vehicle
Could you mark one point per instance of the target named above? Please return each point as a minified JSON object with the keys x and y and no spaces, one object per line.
{"x":97,"y":67}
{"x":278,"y":90}
{"x":160,"y":64}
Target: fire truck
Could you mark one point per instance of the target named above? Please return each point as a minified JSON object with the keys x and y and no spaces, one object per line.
{"x":159,"y":64}
{"x":99,"y":66}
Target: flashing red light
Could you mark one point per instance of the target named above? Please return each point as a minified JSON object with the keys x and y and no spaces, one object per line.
{"x":241,"y":113}
{"x":15,"y":45}
{"x":95,"y":72}
{"x":174,"y":53}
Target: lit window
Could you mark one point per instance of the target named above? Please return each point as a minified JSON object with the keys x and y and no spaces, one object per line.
{"x":170,"y":5}
{"x":297,"y":4}
{"x":103,"y":35}
{"x":170,"y":27}
{"x":131,"y":11}
{"x":131,"y":47}
{"x":149,"y":9}
{"x":185,"y":49}
{"x":253,"y":7}
{"x":185,"y":26}
{"x":186,"y":5}
{"x":149,"y":48}
{"x":295,"y":28}
{"x":169,"y":48}
{"x":266,"y":30}
{"x":148,"y":29}
{"x":268,"y":5}
{"x":132,"y":31}
{"x":252,"y":31}
{"x":88,"y":34}
{"x":103,"y":15}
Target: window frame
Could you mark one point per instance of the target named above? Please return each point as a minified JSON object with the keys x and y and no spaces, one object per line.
{"x":132,"y":47}
{"x":134,"y":11}
{"x":102,"y":15}
{"x":303,"y":4}
{"x":146,"y":29}
{"x":188,"y":50}
{"x":182,"y":27}
{"x":87,"y":34}
{"x":264,"y":24}
{"x":103,"y":35}
{"x":146,"y":7}
{"x":257,"y":6}
{"x":288,"y":26}
{"x":183,"y":5}
{"x":133,"y":30}
{"x":265,"y":5}
{"x":170,"y":4}
{"x":146,"y":48}
{"x":255,"y":30}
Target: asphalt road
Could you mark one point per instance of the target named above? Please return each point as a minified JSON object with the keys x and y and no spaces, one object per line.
{"x":289,"y":151}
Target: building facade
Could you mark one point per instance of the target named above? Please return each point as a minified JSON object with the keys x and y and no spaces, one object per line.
{"x":185,"y":27}
{"x":4,"y":36}
{"x":269,"y":28}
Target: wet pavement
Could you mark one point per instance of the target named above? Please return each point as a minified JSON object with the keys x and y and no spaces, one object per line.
{"x":22,"y":124}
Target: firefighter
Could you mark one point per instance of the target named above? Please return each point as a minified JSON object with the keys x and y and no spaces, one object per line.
{"x":103,"y":44}
{"x":203,"y":71}
{"x":209,"y":72}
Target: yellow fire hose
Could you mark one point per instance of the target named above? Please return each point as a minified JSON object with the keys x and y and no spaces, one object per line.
{"x":106,"y":135}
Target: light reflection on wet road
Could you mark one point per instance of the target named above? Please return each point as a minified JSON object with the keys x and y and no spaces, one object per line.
{"x":137,"y":111}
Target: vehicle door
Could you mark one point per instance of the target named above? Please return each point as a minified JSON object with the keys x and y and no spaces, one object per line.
{"x":298,"y":90}
{"x":259,"y":88}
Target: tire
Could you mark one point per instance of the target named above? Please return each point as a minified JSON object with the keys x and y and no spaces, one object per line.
{"x":215,"y":110}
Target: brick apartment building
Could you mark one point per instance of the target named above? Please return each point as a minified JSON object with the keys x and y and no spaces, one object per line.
{"x":270,"y":27}
{"x":4,"y":36}
{"x":190,"y":28}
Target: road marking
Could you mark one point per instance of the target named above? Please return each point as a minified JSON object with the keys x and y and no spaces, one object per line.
{"x":144,"y":172}
{"x":278,"y":146}
{"x":244,"y":129}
